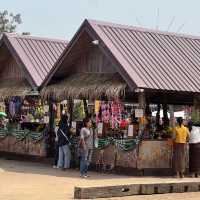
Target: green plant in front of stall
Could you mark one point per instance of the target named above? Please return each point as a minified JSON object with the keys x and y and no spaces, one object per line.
{"x":78,"y":112}
{"x":167,"y":132}
{"x":195,"y":116}
{"x":170,"y":131}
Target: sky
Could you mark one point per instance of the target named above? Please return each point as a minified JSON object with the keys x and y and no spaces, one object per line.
{"x":62,"y":18}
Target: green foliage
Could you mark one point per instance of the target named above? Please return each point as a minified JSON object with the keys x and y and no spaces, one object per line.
{"x":9,"y":21}
{"x":78,"y":113}
{"x":195,"y":117}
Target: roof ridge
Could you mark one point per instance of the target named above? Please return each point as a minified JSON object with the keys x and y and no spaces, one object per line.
{"x":16,"y":35}
{"x":142,"y":29}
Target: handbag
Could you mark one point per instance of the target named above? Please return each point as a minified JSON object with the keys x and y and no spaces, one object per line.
{"x":65,"y":137}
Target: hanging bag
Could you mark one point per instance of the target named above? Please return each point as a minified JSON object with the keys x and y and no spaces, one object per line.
{"x":65,"y":137}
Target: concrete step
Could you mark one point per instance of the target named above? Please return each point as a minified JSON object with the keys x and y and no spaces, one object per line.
{"x":135,"y":189}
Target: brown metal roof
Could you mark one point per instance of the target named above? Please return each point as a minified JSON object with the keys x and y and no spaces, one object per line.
{"x":154,"y":59}
{"x":151,"y":59}
{"x":38,"y":55}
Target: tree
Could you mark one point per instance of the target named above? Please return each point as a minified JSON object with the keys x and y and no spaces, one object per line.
{"x":9,"y":21}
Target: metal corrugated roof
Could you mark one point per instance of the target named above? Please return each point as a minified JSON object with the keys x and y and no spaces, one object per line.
{"x":153,"y":59}
{"x":37,"y":54}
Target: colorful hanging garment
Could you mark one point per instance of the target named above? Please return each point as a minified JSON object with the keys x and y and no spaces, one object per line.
{"x":105,"y":109}
{"x":116,"y":108}
{"x":99,"y":114}
{"x":58,"y":113}
{"x":97,"y":106}
{"x":12,"y":108}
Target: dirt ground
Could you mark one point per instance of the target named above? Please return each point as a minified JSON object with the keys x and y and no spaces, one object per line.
{"x":35,"y":181}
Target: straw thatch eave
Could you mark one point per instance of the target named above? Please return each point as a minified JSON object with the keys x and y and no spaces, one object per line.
{"x":86,"y":85}
{"x":11,"y":88}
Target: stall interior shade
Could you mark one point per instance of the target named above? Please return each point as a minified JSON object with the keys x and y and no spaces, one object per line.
{"x":9,"y":88}
{"x":86,"y":85}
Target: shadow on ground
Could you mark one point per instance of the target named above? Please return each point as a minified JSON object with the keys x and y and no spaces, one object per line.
{"x":46,"y":169}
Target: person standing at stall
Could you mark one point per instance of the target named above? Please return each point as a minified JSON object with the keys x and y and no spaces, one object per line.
{"x":194,"y":149}
{"x":56,"y":148}
{"x":64,"y":143}
{"x":181,"y":136}
{"x":86,"y":146}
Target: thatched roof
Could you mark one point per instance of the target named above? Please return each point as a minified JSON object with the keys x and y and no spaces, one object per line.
{"x":86,"y":85}
{"x":9,"y":88}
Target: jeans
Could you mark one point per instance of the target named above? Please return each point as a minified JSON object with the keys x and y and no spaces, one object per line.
{"x":64,"y":157}
{"x":85,"y":159}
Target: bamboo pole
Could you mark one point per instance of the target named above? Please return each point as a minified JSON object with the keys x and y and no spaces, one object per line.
{"x":158,"y":116}
{"x":171,"y":113}
{"x":70,"y":110}
{"x":142,"y":105}
{"x":85,"y":107}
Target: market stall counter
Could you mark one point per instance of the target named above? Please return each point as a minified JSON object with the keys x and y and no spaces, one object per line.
{"x":144,"y":156}
{"x":120,"y":145}
{"x":155,"y":154}
{"x":24,"y":129}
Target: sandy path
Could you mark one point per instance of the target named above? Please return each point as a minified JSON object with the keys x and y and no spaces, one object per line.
{"x":35,"y":181}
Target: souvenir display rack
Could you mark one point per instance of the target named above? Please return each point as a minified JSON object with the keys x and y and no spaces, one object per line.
{"x":25,"y":126}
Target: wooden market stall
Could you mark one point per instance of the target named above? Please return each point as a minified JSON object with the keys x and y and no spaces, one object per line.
{"x":24,"y":63}
{"x":136,"y":71}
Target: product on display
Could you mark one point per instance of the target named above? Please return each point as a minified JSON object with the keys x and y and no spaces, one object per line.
{"x":2,"y":107}
{"x":130,"y":130}
{"x":100,"y":128}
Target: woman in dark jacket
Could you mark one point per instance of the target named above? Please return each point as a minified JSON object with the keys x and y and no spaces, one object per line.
{"x":63,"y":143}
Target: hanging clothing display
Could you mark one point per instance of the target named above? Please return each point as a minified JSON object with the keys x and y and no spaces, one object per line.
{"x":58,"y":111}
{"x":2,"y":107}
{"x":116,"y":108}
{"x":12,"y":108}
{"x":105,"y":110}
{"x":97,"y":106}
{"x":109,"y":112}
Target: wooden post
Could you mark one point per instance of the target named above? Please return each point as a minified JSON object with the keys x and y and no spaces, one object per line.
{"x":141,"y":100}
{"x":85,"y":107}
{"x":142,"y":105}
{"x":51,"y":115}
{"x":51,"y":128}
{"x":171,"y":113}
{"x":158,"y":116}
{"x":165,"y":115}
{"x":70,"y":110}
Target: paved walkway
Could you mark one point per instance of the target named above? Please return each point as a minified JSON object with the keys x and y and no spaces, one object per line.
{"x":35,"y":181}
